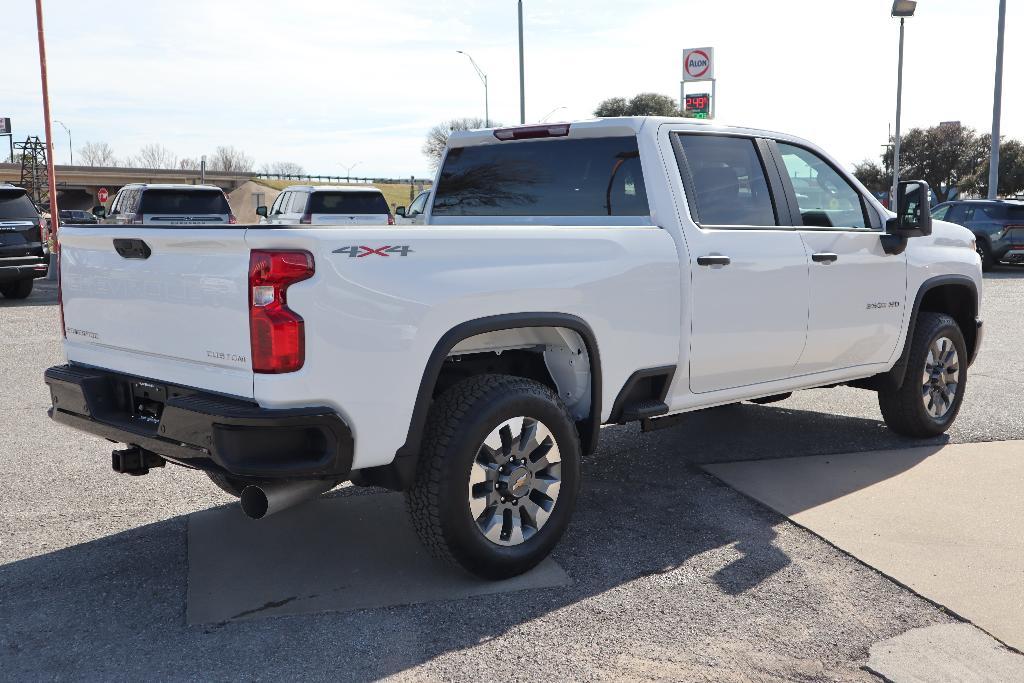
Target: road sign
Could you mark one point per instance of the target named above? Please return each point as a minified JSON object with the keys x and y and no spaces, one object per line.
{"x":698,"y":104}
{"x":5,"y":126}
{"x":102,"y":195}
{"x":699,"y":64}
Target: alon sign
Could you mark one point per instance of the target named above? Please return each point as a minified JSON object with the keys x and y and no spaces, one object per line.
{"x":699,"y":64}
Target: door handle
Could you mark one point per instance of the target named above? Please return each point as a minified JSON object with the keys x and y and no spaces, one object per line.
{"x":824,"y":257}
{"x":713,"y":260}
{"x":132,"y":248}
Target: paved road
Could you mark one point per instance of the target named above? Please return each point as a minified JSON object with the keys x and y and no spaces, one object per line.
{"x":675,"y":575}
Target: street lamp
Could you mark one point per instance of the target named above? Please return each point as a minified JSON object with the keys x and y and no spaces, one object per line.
{"x":901,"y":9}
{"x":71,"y":151}
{"x":997,"y":106}
{"x":483,"y":79}
{"x":548,"y":115}
{"x":348,"y":170}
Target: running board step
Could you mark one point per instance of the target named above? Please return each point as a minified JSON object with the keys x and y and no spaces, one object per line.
{"x":642,"y":410}
{"x":654,"y":424}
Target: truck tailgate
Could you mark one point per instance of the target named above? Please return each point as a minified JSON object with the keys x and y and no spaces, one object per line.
{"x":169,"y":304}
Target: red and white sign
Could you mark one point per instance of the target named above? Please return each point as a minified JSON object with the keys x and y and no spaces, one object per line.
{"x":699,"y":64}
{"x":102,"y":195}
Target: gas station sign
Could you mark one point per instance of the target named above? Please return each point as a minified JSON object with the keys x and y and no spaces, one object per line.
{"x":698,"y":105}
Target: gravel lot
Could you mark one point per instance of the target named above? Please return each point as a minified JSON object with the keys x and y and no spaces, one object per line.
{"x":676,"y":576}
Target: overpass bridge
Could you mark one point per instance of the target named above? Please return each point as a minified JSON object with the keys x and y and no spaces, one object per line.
{"x":77,"y":185}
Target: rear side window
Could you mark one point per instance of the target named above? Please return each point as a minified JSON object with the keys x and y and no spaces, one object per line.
{"x":15,"y":204}
{"x":727,"y":180}
{"x":183,"y":202}
{"x":348,"y":203}
{"x":1015,"y":214}
{"x":562,"y":177}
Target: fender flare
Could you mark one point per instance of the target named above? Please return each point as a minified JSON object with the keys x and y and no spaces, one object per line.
{"x":409,"y":451}
{"x":896,"y":375}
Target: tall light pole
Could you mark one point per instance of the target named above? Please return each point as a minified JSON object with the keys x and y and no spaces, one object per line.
{"x":522,"y":70}
{"x":71,"y":150}
{"x":997,"y":107}
{"x":51,"y":177}
{"x":483,"y":79}
{"x":348,"y":170}
{"x":901,"y":9}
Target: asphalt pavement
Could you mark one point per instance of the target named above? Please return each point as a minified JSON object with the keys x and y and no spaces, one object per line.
{"x":674,"y":575}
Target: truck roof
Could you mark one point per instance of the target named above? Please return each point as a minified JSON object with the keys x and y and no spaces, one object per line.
{"x":334,"y":188}
{"x":606,"y":127}
{"x":173,"y":186}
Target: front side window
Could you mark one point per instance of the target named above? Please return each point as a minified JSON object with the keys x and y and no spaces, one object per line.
{"x":728,"y":181}
{"x":825,"y":198}
{"x":419,"y":205}
{"x":557,"y":177}
{"x":939,"y":212}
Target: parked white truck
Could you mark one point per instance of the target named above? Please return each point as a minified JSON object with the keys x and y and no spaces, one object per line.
{"x":568,"y":277}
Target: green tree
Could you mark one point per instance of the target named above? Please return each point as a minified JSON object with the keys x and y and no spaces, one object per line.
{"x":643,"y":104}
{"x":872,"y":176}
{"x":1011,"y":169}
{"x":945,"y":156}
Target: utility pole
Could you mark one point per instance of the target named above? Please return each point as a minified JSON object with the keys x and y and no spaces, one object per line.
{"x":997,"y":107}
{"x":51,"y":178}
{"x":522,"y":70}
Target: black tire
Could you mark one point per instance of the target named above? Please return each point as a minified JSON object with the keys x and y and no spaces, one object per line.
{"x":904,"y":410}
{"x":985,"y":252}
{"x":17,"y":290}
{"x":459,"y":421}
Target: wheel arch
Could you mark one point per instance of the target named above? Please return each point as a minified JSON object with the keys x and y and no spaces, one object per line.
{"x":400,"y":473}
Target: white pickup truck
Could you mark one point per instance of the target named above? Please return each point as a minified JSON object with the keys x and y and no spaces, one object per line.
{"x":568,"y":276}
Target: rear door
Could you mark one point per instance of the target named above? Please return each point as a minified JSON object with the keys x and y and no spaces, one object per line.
{"x":167,"y":206}
{"x":748,"y":273}
{"x":857,"y":291}
{"x":165,"y":304}
{"x":19,"y":225}
{"x":348,"y":208}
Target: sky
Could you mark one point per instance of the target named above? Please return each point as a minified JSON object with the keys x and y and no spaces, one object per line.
{"x":332,"y":83}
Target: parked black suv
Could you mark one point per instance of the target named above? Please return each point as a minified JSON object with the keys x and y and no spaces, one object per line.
{"x":23,"y":253}
{"x":997,"y":224}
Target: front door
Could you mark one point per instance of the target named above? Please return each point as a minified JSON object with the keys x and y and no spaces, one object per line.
{"x":857,"y":291}
{"x":748,"y":288}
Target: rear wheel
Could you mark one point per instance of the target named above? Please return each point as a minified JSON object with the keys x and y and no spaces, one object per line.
{"x":935,"y":381}
{"x":17,"y":290}
{"x":498,"y":475}
{"x":985,"y":252}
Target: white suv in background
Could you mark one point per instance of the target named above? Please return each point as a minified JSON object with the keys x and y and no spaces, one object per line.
{"x":417,"y":211}
{"x":328,"y":205}
{"x":148,"y":204}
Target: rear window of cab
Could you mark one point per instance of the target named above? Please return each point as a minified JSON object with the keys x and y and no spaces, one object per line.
{"x":562,"y":177}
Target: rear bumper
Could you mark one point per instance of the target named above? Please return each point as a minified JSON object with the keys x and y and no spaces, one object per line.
{"x":202,"y":430}
{"x":23,"y":268}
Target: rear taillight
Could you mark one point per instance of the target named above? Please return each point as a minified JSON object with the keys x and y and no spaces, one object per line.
{"x":276,"y":332}
{"x":391,"y":219}
{"x":307,"y":219}
{"x":558,"y":130}
{"x":231,"y":219}
{"x":42,"y":230}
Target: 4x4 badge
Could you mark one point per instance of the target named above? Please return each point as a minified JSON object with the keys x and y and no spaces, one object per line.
{"x":361,"y":251}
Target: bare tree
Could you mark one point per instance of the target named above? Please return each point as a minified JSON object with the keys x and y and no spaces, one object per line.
{"x":283,"y":168}
{"x":155,"y":155}
{"x":189,"y":164}
{"x":437,"y":137}
{"x":97,"y":154}
{"x":231,"y":160}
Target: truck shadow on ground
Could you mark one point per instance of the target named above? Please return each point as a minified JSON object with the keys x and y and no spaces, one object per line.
{"x":1005,"y":271}
{"x":114,"y":608}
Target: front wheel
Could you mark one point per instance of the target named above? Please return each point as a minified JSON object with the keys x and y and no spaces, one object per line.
{"x":498,"y":475}
{"x":935,"y":381}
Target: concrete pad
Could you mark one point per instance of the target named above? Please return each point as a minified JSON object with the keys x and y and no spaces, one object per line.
{"x":329,"y":555}
{"x":944,"y":653}
{"x":946,"y":521}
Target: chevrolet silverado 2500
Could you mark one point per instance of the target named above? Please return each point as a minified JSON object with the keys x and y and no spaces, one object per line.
{"x":567,"y":276}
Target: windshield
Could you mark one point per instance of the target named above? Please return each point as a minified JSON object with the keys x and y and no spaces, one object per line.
{"x":184,"y":202}
{"x":348,"y":203}
{"x":15,"y":205}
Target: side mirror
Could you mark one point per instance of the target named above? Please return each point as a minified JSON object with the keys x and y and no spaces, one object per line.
{"x":99,"y":211}
{"x":400,"y":211}
{"x":261,"y":211}
{"x":913,"y":214}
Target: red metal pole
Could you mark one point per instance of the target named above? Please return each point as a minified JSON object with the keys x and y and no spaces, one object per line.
{"x":51,"y":176}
